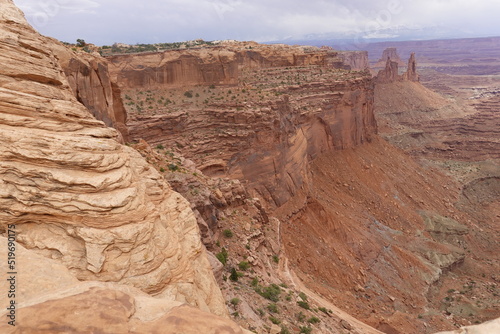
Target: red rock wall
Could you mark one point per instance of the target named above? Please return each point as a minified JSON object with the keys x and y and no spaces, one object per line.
{"x":90,"y":81}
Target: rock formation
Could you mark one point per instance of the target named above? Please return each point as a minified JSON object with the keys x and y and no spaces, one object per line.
{"x":390,"y":72}
{"x":220,"y":65}
{"x":356,"y":60}
{"x":51,"y":299}
{"x":89,"y":79}
{"x":411,"y":71}
{"x":79,"y":197}
{"x":392,"y":54}
{"x":267,"y":142}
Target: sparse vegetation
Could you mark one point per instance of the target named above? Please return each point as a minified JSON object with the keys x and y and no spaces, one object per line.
{"x":234,"y":275}
{"x":244,"y":265}
{"x":304,"y":305}
{"x":227,"y":233}
{"x":270,"y":292}
{"x":273,"y":308}
{"x":234,"y":301}
{"x":222,"y":256}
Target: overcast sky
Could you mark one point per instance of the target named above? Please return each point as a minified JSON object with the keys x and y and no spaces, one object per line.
{"x":104,"y":22}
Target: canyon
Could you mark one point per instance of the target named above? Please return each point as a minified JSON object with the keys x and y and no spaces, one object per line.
{"x":242,"y":187}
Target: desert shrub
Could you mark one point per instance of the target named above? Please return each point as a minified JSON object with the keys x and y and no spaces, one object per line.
{"x":305,"y":329}
{"x":173,"y":167}
{"x":227,"y":233}
{"x":313,"y":320}
{"x":188,"y":94}
{"x":234,"y":275}
{"x":243,"y":265}
{"x":270,"y":292}
{"x":304,"y":305}
{"x":273,"y":308}
{"x":284,"y":330}
{"x":222,"y":256}
{"x":274,"y":320}
{"x":235,"y":301}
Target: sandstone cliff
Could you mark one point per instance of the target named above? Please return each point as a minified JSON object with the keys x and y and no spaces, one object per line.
{"x":221,"y":65}
{"x":75,"y":194}
{"x":89,"y":79}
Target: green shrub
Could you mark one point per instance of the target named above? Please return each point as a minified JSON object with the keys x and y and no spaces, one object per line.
{"x":284,"y":330}
{"x":271,"y":292}
{"x":324,"y":310}
{"x":276,"y":259}
{"x":235,"y":301}
{"x":243,"y":265}
{"x":274,"y":320}
{"x":303,"y":296}
{"x":313,"y":320}
{"x":273,"y":308}
{"x":234,"y":275}
{"x":222,"y":256}
{"x":173,"y":167}
{"x":227,"y":233}
{"x":188,"y":94}
{"x":162,"y":169}
{"x":255,"y":282}
{"x":301,"y":316}
{"x":305,"y":329}
{"x":304,"y":305}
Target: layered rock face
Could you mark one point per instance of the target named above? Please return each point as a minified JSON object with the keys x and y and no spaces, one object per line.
{"x":221,"y":65}
{"x":266,"y":128}
{"x":89,"y":79}
{"x":75,"y":194}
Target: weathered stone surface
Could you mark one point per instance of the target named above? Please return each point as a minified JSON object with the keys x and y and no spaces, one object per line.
{"x":63,"y":304}
{"x":76,"y":195}
{"x":489,"y":327}
{"x":89,"y":79}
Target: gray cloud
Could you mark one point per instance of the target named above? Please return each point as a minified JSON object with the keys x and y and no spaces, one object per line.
{"x":148,"y":21}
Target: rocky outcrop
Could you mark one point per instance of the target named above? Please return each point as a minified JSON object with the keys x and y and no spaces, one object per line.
{"x":390,"y":72}
{"x":411,"y":71}
{"x":89,"y":79}
{"x":221,"y":65}
{"x":356,"y":60}
{"x":51,"y":299}
{"x":76,"y":195}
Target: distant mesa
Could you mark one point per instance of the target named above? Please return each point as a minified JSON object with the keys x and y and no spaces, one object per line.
{"x":392,"y":54}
